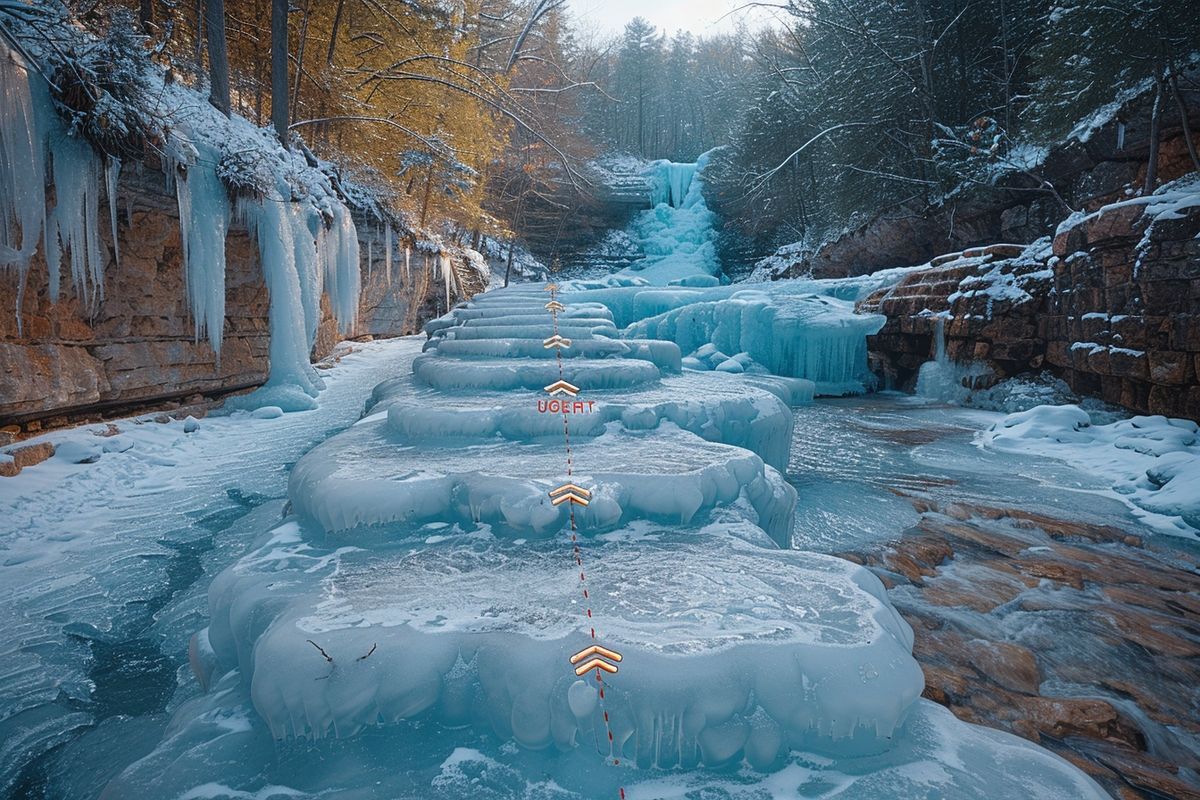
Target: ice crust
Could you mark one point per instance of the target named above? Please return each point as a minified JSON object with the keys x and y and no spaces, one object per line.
{"x":405,"y":631}
{"x":748,"y":665}
{"x":370,"y":476}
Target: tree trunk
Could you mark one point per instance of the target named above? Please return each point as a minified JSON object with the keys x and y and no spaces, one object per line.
{"x":333,"y":34}
{"x":279,"y":68}
{"x":1155,"y":131}
{"x":146,"y":16}
{"x":300,"y":60}
{"x":199,"y":38}
{"x":218,"y":55}
{"x":512,"y":245}
{"x":428,"y":191}
{"x":1183,"y":119}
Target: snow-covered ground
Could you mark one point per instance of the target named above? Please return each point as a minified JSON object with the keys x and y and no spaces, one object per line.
{"x":1151,"y":463}
{"x":94,"y":555}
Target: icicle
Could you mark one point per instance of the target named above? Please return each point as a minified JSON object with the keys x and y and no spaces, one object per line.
{"x":112,"y":171}
{"x":22,"y":163}
{"x":408,"y":265}
{"x":75,"y":219}
{"x":387,"y":254}
{"x":342,"y":280}
{"x":293,"y":383}
{"x":308,"y":243}
{"x":22,"y":160}
{"x":447,"y":273}
{"x":671,"y":183}
{"x":204,"y":215}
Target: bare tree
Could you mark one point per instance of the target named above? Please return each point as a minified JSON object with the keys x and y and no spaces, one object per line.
{"x":218,"y":55}
{"x":1155,"y":134}
{"x":279,"y":68}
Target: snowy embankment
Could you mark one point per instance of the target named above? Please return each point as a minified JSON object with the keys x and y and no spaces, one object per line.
{"x":1153,"y":462}
{"x":96,"y":548}
{"x":406,"y":632}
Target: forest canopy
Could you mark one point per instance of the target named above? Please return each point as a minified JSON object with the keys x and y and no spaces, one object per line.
{"x":480,"y":117}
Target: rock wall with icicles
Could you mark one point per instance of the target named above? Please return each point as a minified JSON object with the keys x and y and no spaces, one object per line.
{"x":141,"y":282}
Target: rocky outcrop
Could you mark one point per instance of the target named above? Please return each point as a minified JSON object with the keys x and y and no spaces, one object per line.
{"x":136,"y":344}
{"x":1086,"y":175}
{"x":135,"y":347}
{"x":1076,"y":636}
{"x":1111,"y":306}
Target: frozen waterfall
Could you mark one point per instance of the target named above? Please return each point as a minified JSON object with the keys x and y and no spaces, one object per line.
{"x":670,"y":182}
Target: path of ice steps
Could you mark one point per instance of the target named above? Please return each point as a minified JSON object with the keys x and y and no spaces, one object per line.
{"x":664,"y":355}
{"x":371,"y":476}
{"x":716,"y":408}
{"x":452,"y":374}
{"x":731,"y":647}
{"x":572,"y":311}
{"x":539,"y":321}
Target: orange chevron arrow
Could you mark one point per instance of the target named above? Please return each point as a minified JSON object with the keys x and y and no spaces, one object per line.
{"x":595,"y":650}
{"x":595,"y":663}
{"x":554,"y":305}
{"x":570,"y":493}
{"x":571,"y":487}
{"x":556,"y":341}
{"x":562,"y":387}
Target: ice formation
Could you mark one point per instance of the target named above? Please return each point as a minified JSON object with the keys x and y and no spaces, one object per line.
{"x":22,"y":163}
{"x":308,"y":249}
{"x":204,"y":216}
{"x":670,"y":182}
{"x":424,"y":559}
{"x":293,"y":383}
{"x":405,"y":630}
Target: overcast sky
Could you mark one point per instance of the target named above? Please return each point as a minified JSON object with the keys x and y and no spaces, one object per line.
{"x":703,"y":17}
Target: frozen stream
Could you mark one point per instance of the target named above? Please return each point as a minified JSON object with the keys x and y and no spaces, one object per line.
{"x":396,"y":621}
{"x":852,"y":459}
{"x":104,"y":569}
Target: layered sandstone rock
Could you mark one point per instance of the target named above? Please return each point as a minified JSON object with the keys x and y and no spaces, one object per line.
{"x":135,"y":348}
{"x":1112,"y":307}
{"x":137,"y":343}
{"x":1075,"y":636}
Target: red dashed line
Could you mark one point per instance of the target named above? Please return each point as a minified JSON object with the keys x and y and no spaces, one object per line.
{"x":575,"y":543}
